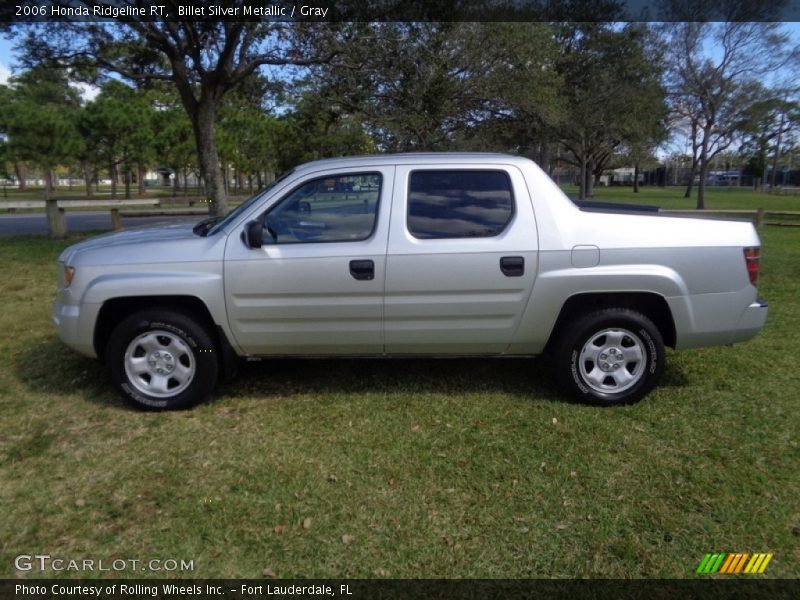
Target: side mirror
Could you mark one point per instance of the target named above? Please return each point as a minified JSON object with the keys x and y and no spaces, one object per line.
{"x":253,"y":234}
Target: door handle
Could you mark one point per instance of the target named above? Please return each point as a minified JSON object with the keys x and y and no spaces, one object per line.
{"x":512,"y":266}
{"x":363,"y":270}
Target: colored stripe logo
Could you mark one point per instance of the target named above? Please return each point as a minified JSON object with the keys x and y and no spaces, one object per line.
{"x":734,"y":562}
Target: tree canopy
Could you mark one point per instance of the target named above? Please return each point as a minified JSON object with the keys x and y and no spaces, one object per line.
{"x":203,"y":59}
{"x":236,"y":102}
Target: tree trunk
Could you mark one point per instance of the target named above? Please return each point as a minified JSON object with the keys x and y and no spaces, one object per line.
{"x":112,"y":170}
{"x":175,"y":184}
{"x":48,"y":183}
{"x":584,"y":172}
{"x":544,"y":157}
{"x":128,"y":176}
{"x":776,"y":157}
{"x":208,"y":157}
{"x":590,"y":180}
{"x":19,"y":171}
{"x":701,"y":190}
{"x":690,"y":185}
{"x":56,"y":219}
{"x":226,"y":177}
{"x":140,"y":172}
{"x":87,"y":178}
{"x":701,"y":184}
{"x":636,"y":177}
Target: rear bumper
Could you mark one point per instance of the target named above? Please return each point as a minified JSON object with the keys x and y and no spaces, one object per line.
{"x":717,"y":319}
{"x":751,"y":322}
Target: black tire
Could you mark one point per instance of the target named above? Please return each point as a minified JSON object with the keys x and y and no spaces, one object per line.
{"x":188,"y":365}
{"x":594,"y":357}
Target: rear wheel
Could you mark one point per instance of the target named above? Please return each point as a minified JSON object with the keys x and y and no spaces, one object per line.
{"x":610,"y":356}
{"x":162,"y":359}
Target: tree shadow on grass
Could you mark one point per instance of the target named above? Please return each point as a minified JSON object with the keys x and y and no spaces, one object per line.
{"x":47,"y":366}
{"x":673,"y":375}
{"x":525,"y":377}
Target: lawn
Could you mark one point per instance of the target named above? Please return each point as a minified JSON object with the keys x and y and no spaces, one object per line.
{"x":406,"y":469}
{"x":672,"y":197}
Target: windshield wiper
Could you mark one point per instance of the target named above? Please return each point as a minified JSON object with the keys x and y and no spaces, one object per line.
{"x":204,"y":226}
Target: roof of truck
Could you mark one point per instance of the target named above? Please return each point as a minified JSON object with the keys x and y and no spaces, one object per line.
{"x":413,"y":158}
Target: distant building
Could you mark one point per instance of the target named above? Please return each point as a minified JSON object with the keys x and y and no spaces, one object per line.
{"x":621,"y":176}
{"x":723,"y":178}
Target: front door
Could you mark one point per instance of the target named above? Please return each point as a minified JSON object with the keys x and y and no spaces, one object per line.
{"x":316,"y":285}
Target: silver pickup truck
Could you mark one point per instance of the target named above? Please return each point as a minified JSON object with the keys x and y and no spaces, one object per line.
{"x":412,"y":254}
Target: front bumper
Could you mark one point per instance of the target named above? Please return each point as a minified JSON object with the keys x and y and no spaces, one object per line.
{"x":74,"y":324}
{"x":751,"y":322}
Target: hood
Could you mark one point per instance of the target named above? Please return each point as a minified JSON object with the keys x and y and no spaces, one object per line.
{"x":174,"y":242}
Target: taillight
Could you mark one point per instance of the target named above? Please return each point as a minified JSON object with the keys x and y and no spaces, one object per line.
{"x":751,"y":260}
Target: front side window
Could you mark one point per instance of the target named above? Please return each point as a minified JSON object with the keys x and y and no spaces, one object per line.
{"x":459,"y":204}
{"x":338,"y":208}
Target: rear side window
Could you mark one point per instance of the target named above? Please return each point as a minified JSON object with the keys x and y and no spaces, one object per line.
{"x":459,"y":204}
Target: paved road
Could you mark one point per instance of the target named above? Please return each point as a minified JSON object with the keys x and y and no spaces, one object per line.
{"x":36,"y":223}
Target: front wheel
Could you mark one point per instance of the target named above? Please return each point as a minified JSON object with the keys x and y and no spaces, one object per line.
{"x":162,"y":359}
{"x":610,"y":356}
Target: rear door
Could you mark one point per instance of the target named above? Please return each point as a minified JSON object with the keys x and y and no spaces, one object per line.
{"x":461,"y":259}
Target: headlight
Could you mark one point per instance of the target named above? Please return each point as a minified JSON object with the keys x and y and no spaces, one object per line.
{"x":69,"y":273}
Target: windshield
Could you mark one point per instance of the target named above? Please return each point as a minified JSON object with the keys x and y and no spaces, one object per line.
{"x":214,"y":224}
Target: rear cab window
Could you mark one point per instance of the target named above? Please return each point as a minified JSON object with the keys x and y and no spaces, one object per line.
{"x":453,"y":203}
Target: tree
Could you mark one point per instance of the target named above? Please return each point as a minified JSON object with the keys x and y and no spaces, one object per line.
{"x":316,"y":129}
{"x":39,"y":119}
{"x":173,"y":141}
{"x":203,"y":59}
{"x":247,"y":135}
{"x":5,"y":155}
{"x":116,"y":127}
{"x":709,"y":96}
{"x":516,"y":93}
{"x":439,"y":86}
{"x":395,"y":77}
{"x":6,"y":114}
{"x":613,"y":95}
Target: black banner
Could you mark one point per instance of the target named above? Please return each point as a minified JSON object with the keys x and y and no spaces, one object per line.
{"x":366,"y":589}
{"x":399,"y":10}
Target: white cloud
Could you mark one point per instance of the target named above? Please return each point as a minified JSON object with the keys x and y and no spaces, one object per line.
{"x":87,"y":91}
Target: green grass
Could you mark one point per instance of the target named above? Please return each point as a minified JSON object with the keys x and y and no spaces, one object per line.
{"x":417,"y":468}
{"x":672,"y":197}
